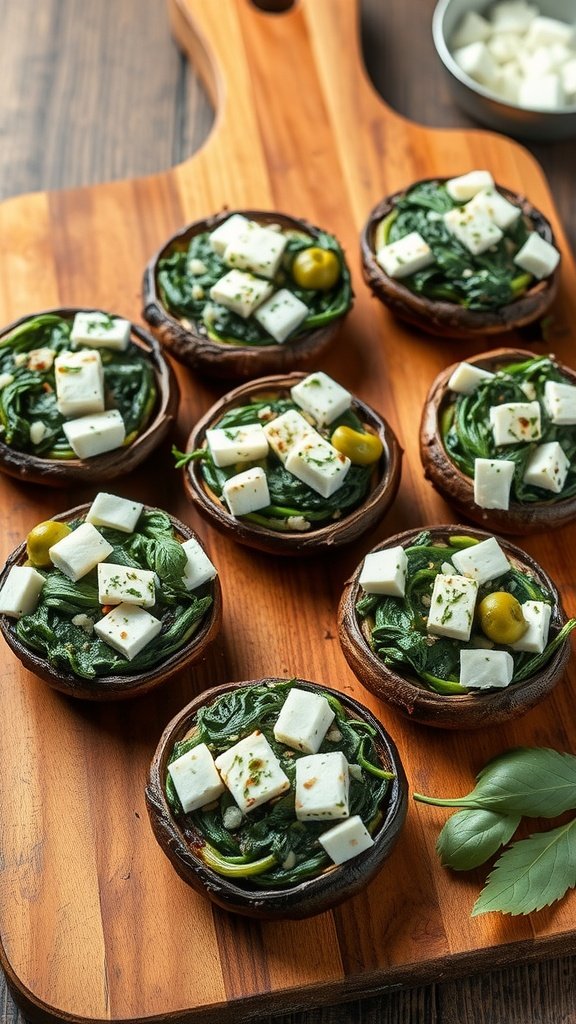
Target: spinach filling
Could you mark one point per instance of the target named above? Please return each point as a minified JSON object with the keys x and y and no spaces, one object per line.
{"x":294,"y":505}
{"x":270,"y":848}
{"x":484,"y":282}
{"x":178,"y":285}
{"x":397,"y":626}
{"x":467,"y":435}
{"x":30,"y":397}
{"x":68,"y":647}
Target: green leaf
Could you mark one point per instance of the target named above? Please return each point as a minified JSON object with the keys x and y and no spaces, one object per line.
{"x":470,"y":837}
{"x":532,"y":874}
{"x":536,"y":782}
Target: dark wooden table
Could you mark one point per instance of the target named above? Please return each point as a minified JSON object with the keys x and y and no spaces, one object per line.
{"x":94,"y":91}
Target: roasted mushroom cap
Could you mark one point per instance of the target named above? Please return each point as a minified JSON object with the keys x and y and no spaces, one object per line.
{"x":225,"y":360}
{"x":385,"y":481}
{"x":447,"y":318}
{"x":120,"y":461}
{"x":312,"y":896}
{"x":408,"y":695}
{"x":456,"y":487}
{"x":114,"y":687}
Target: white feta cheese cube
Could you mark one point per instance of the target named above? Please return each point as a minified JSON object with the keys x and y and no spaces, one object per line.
{"x":322,"y":397}
{"x":482,"y":669}
{"x":466,"y":378}
{"x":281,"y":314}
{"x":286,"y":430}
{"x":228,"y":231}
{"x":318,"y":464}
{"x":304,"y":720}
{"x":94,"y":435}
{"x":477,"y":62}
{"x":529,"y":390}
{"x":80,"y":551}
{"x":465,"y":186}
{"x":405,"y":256}
{"x":196,"y":779}
{"x":482,"y":562}
{"x":5,"y":380}
{"x":543,"y":93}
{"x":537,"y":614}
{"x":41,"y":359}
{"x":252,"y":772}
{"x":246,"y":492}
{"x":496,"y":207}
{"x":492,"y":482}
{"x":322,"y":786}
{"x":547,"y":467}
{"x":544,"y":31}
{"x":240,"y":292}
{"x":560,"y":402}
{"x":504,"y":46}
{"x":98,"y":330}
{"x":452,"y":606}
{"x":258,"y":249}
{"x":229,"y":445}
{"x":535,"y":63}
{"x":472,"y":28}
{"x":473,"y":229}
{"x":384,"y":572}
{"x":346,"y":840}
{"x":117,"y":513}
{"x":537,"y":256}
{"x":20,"y":591}
{"x":118,"y":584}
{"x":128,"y":629}
{"x":199,"y":569}
{"x":515,"y":422}
{"x":512,"y":15}
{"x":79,"y":382}
{"x":507,"y":83}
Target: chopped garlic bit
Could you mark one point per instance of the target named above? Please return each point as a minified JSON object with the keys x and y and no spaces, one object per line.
{"x":84,"y":622}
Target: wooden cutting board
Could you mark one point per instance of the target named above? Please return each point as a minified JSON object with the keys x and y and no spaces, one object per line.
{"x":95,"y":925}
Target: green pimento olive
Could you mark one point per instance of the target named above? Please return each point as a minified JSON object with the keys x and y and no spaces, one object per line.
{"x":501,"y":618}
{"x":316,"y":269}
{"x":361,"y":449}
{"x":41,"y":538}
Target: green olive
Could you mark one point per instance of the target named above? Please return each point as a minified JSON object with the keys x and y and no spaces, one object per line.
{"x":501,"y":618}
{"x":361,"y":449}
{"x":41,"y":538}
{"x":316,"y":269}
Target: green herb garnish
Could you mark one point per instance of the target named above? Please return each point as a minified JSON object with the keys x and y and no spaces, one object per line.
{"x":532,"y":873}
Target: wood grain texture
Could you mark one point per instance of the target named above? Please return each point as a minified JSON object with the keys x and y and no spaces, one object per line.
{"x":90,"y":757}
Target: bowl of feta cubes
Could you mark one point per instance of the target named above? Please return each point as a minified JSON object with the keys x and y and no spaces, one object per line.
{"x":244,"y":293}
{"x":498,"y":440}
{"x":110,"y":599}
{"x":276,"y":798}
{"x":461,"y":257}
{"x":511,"y":64}
{"x":292,"y":464}
{"x":85,"y":396}
{"x":454,"y":628}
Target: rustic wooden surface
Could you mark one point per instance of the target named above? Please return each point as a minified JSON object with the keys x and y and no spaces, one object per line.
{"x":67,"y":68}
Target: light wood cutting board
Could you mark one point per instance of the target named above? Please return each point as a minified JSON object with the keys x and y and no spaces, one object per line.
{"x":95,"y":925}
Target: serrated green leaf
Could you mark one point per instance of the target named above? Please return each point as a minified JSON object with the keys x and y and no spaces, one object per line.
{"x":536,"y":782}
{"x":470,"y":837}
{"x":532,"y":873}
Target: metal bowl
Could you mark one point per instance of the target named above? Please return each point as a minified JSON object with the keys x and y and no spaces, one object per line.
{"x":484,"y":105}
